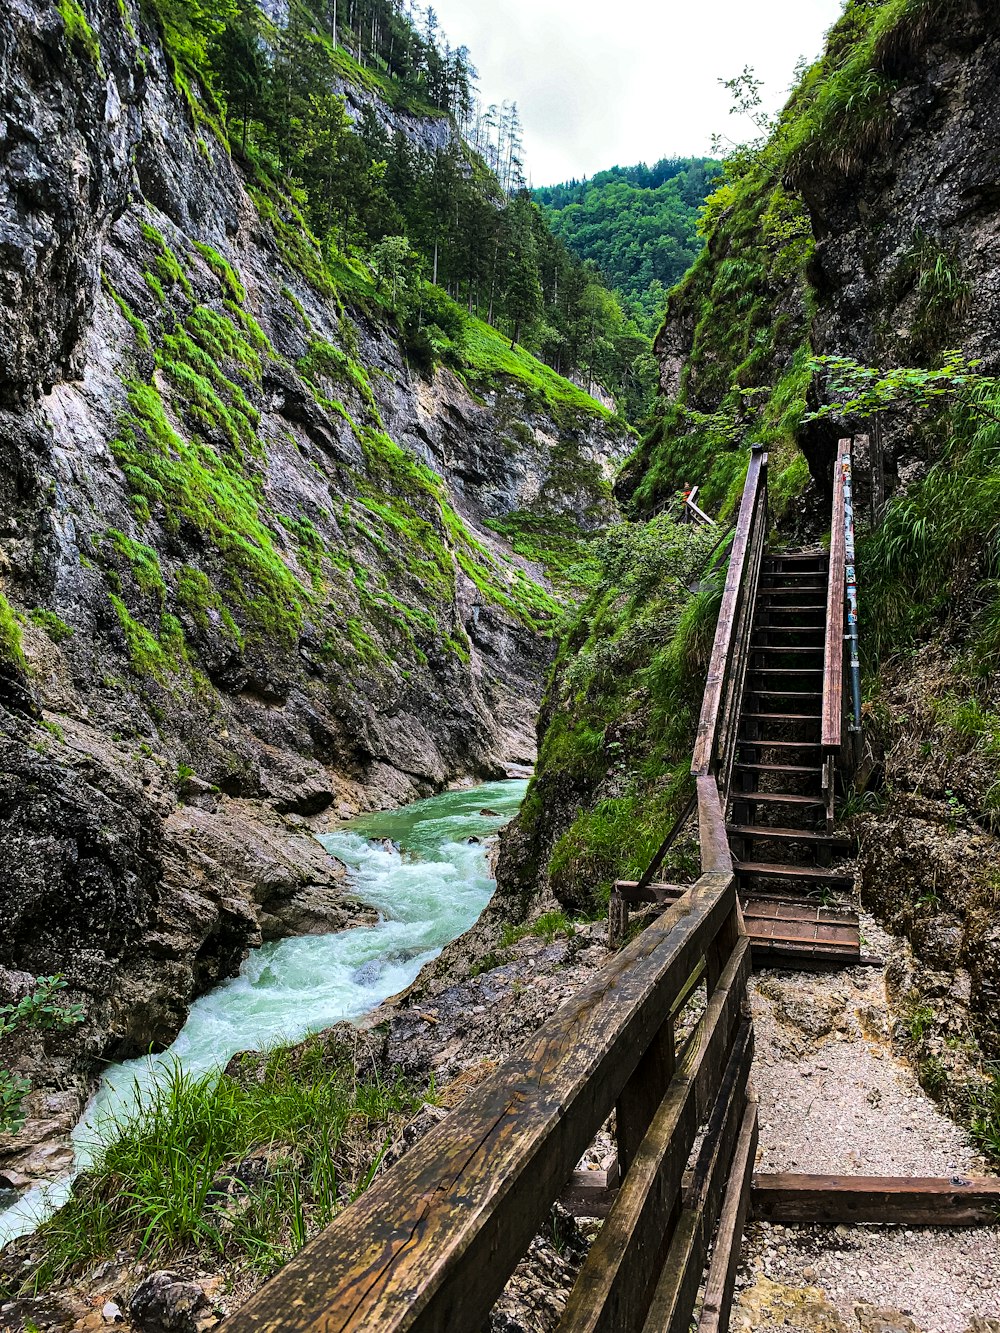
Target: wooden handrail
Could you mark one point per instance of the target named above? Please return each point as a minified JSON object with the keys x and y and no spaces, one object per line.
{"x":833,"y":661}
{"x":431,"y":1244}
{"x":724,"y":684}
{"x":716,"y":856}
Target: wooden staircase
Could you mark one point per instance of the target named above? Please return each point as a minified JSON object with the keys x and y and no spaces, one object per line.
{"x":781,"y":826}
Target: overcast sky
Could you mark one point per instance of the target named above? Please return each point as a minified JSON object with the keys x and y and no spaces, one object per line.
{"x":625,"y":81}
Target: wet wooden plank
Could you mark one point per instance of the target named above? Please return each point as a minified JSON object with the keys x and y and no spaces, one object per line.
{"x":711,"y":707}
{"x":902,"y":1200}
{"x":614,"y":1287}
{"x":833,"y":660}
{"x":721,"y":1282}
{"x":431,"y":1244}
{"x":716,"y":855}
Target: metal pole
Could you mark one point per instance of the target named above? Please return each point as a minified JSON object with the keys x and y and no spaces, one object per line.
{"x":851,"y":593}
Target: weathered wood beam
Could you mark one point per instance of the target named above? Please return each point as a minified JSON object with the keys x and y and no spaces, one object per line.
{"x":677,"y":1288}
{"x":903,"y":1200}
{"x":711,"y":706}
{"x":721,"y":1281}
{"x":833,"y":658}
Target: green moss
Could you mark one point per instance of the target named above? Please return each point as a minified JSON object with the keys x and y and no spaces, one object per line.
{"x":188,"y":480}
{"x":557,"y":544}
{"x":168,"y":267}
{"x":224,"y":271}
{"x":11,"y":653}
{"x":143,"y":559}
{"x":196,"y":595}
{"x":486,"y":357}
{"x":136,"y":324}
{"x":79,"y":33}
{"x":150,"y":655}
{"x":54,"y":626}
{"x":296,"y":243}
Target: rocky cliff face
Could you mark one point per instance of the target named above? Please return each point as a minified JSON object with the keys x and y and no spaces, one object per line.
{"x":247,"y":579}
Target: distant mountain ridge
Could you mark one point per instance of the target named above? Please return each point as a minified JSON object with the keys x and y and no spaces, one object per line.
{"x":639,"y":225}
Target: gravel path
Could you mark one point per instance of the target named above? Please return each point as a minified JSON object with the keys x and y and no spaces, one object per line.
{"x":834,"y":1098}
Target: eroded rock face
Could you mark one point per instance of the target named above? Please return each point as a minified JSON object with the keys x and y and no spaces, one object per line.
{"x":923,"y":196}
{"x":247,"y":545}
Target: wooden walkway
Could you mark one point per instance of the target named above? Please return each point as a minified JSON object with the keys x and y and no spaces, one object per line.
{"x":430,"y":1246}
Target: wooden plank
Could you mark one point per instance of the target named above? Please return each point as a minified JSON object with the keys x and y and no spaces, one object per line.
{"x":721,"y":1282}
{"x":591,"y":1193}
{"x":833,"y":660}
{"x":716,"y":856}
{"x":671,"y":1308}
{"x":704,"y":746}
{"x":431,"y":1244}
{"x":795,"y":910}
{"x":902,"y":1200}
{"x":612,"y":1291}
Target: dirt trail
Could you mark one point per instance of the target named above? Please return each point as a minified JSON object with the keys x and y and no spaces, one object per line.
{"x":834,"y":1098}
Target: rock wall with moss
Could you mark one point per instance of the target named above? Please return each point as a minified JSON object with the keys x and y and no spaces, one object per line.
{"x":255,"y":569}
{"x":866,"y":226}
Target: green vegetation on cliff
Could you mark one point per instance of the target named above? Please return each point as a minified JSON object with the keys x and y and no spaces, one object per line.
{"x":737,"y":341}
{"x":453,"y":216}
{"x":619,"y":712}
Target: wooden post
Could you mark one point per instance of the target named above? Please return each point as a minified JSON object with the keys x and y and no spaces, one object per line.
{"x":617,"y":919}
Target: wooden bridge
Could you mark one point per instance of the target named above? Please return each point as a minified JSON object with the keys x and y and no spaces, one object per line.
{"x":661,"y":1036}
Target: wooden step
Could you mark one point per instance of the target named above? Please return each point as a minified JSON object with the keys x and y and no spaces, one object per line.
{"x":799,"y":606}
{"x":759,"y":832}
{"x":777,"y":798}
{"x":767,"y":592}
{"x":762,"y":742}
{"x":787,"y":671}
{"x":910,"y":1201}
{"x":783,"y":648}
{"x":787,"y":694}
{"x":809,"y":874}
{"x":780,"y":717}
{"x":779,"y":635}
{"x":792,"y":575}
{"x":803,"y":769}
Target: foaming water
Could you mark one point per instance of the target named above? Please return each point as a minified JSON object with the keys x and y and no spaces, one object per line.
{"x":428,"y":884}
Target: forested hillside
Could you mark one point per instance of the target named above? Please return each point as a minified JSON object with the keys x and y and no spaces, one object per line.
{"x":445,"y":208}
{"x":637,"y":225}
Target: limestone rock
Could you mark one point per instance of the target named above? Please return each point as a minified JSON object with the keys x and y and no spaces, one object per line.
{"x":167,"y":1303}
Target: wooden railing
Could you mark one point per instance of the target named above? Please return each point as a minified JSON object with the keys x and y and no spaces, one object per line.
{"x":431,"y":1244}
{"x":715,"y":742}
{"x":429,"y":1247}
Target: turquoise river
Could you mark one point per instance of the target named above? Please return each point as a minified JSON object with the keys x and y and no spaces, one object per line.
{"x":428,"y":882}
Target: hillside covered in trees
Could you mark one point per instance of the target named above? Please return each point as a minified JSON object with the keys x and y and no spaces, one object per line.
{"x":447,"y":208}
{"x":637,"y":225}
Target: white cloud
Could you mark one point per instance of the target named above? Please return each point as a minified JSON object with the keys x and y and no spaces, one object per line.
{"x":630,"y":81}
